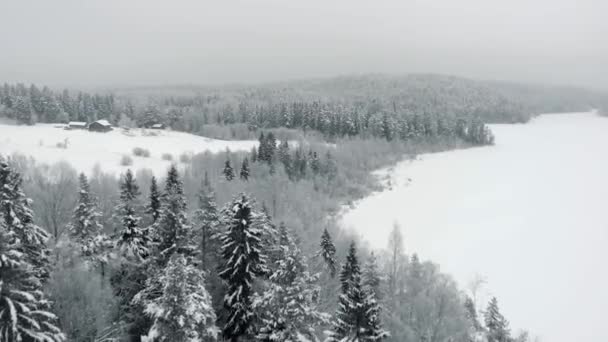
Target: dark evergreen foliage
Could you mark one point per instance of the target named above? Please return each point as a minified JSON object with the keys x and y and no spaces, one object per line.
{"x":358,"y":314}
{"x":207,"y":227}
{"x":244,"y":174}
{"x":133,"y":240}
{"x":18,"y":217}
{"x":328,"y":252}
{"x":228,"y":171}
{"x":243,"y":261}
{"x":85,"y":229}
{"x":24,"y":314}
{"x":496,"y":324}
{"x":172,"y":230}
{"x":287,"y":307}
{"x":154,"y":206}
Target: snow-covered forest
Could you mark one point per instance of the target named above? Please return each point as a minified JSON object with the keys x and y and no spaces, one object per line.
{"x":243,"y":245}
{"x":303,"y":171}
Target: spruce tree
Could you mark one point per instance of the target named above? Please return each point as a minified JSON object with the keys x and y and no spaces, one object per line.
{"x":358,"y":314}
{"x":262,"y":148}
{"x":284,"y":156}
{"x":371,"y":277}
{"x":228,"y":171}
{"x":288,"y":306}
{"x":328,"y":253}
{"x":244,"y":174}
{"x":496,"y":324}
{"x":172,"y":230}
{"x":24,"y":266}
{"x":243,"y":261}
{"x":271,"y":147}
{"x":23,"y":305}
{"x":18,"y":217}
{"x":350,"y":318}
{"x":154,"y":207}
{"x":207,"y":226}
{"x":85,"y":229}
{"x":183,"y":312}
{"x":373,"y":330}
{"x":133,"y":240}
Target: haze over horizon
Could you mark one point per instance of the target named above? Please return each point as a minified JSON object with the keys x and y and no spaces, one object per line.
{"x":118,"y":43}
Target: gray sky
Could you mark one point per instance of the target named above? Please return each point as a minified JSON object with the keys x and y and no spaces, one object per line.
{"x":128,"y":42}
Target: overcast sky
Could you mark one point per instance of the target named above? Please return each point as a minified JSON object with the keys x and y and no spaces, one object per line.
{"x":134,"y":42}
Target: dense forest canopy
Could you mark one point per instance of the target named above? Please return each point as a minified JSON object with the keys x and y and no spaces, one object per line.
{"x":339,"y":102}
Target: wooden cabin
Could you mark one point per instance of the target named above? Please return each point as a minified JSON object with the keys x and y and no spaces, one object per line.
{"x":77,"y":125}
{"x":100,"y":126}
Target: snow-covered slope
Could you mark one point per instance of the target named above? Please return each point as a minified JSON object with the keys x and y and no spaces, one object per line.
{"x":86,"y":149}
{"x":530,"y":214}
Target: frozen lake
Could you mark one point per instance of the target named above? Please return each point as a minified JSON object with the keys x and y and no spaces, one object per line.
{"x":530,"y":214}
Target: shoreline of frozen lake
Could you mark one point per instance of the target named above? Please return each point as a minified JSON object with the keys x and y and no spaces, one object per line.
{"x":527,"y":213}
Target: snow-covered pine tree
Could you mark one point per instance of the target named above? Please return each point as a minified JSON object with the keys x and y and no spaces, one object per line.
{"x":207,"y":225}
{"x":373,"y":327}
{"x":172,"y":230}
{"x":244,"y":174}
{"x":496,"y":324}
{"x":18,"y":217}
{"x":228,"y":171}
{"x":350,"y":319}
{"x":262,"y":148}
{"x":243,"y":261}
{"x":183,"y":312}
{"x":284,"y":156}
{"x":288,"y":306}
{"x":271,"y":146}
{"x":133,"y":241}
{"x":23,"y":306}
{"x":85,"y":229}
{"x":154,"y":205}
{"x":328,"y":252}
{"x":358,"y":314}
{"x":371,"y":277}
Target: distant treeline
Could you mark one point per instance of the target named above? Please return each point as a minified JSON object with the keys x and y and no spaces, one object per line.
{"x":379,"y":106}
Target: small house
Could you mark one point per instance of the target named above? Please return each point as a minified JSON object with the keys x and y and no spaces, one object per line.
{"x":77,"y":125}
{"x":100,"y":126}
{"x":158,"y":126}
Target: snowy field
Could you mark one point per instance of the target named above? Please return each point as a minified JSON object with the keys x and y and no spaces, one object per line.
{"x":530,"y":214}
{"x":86,"y":149}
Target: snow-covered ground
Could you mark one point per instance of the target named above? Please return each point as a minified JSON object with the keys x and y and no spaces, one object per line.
{"x":86,"y":149}
{"x":530,"y":214}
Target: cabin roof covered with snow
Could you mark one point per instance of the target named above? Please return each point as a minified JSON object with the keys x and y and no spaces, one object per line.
{"x":158,"y":126}
{"x":103,"y":122}
{"x":77,"y":123}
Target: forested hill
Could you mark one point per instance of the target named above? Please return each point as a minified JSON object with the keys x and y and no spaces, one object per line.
{"x":490,"y":101}
{"x":334,"y":106}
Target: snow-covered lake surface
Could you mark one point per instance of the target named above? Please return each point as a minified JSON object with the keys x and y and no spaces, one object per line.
{"x":530,"y":214}
{"x":86,"y":149}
